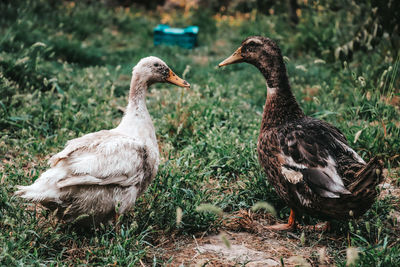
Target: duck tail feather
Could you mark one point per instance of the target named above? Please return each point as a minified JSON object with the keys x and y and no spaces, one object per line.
{"x":368,"y":177}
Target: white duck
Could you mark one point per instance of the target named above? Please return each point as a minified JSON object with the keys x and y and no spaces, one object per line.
{"x":100,"y":175}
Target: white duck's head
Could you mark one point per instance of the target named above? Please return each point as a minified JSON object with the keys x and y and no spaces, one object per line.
{"x":154,"y":70}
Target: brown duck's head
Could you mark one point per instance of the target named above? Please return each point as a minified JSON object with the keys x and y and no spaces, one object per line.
{"x":265,"y":55}
{"x":253,"y":50}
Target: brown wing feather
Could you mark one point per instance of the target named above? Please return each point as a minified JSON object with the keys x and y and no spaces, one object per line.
{"x":311,"y":148}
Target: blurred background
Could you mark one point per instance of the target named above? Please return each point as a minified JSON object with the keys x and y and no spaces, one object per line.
{"x":65,"y":69}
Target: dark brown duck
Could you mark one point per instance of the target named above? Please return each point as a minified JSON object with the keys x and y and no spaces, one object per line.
{"x":308,"y":161}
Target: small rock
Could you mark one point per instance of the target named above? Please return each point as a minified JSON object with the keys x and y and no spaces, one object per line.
{"x":262,"y":263}
{"x":387,"y":186}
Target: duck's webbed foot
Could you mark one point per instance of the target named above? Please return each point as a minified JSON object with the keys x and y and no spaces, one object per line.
{"x":291,"y":225}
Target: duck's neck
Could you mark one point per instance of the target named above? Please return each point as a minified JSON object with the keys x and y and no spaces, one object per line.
{"x":137,"y":92}
{"x":137,"y":121}
{"x":281,"y":105}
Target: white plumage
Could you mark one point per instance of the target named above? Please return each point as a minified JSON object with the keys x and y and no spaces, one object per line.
{"x":101,"y":174}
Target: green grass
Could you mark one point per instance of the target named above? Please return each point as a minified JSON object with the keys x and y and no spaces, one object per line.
{"x":65,"y":71}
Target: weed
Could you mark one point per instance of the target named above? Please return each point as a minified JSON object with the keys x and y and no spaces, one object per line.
{"x":64,"y":71}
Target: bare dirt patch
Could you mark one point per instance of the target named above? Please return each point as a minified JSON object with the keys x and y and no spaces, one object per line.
{"x":244,"y":249}
{"x":244,"y":241}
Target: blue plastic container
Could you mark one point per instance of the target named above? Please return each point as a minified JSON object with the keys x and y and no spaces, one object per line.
{"x":186,"y":37}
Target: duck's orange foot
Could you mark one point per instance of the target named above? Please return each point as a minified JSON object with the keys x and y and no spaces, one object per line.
{"x":281,"y":227}
{"x":291,"y":225}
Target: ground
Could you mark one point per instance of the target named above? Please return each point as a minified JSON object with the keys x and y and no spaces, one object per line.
{"x":65,"y":68}
{"x":259,"y":246}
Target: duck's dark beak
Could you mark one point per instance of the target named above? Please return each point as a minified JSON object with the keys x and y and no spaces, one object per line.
{"x":236,"y":57}
{"x":174,"y":79}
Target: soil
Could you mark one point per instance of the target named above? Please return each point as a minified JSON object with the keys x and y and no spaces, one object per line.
{"x":243,"y":240}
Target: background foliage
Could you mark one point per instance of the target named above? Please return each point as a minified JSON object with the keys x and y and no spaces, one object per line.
{"x":65,"y":71}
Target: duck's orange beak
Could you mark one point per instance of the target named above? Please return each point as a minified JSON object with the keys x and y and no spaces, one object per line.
{"x":236,"y":57}
{"x":174,"y":79}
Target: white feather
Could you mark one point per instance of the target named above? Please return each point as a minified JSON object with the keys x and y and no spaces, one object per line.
{"x":295,"y":177}
{"x":292,"y":176}
{"x":255,"y":40}
{"x":271,"y":91}
{"x":289,"y":161}
{"x":304,"y":201}
{"x":331,"y":171}
{"x":106,"y":157}
{"x":351,"y":151}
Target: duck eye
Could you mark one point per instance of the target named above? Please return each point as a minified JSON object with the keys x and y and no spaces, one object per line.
{"x":156,"y":64}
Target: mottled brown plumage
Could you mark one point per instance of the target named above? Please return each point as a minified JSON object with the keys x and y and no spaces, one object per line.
{"x":308,"y":161}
